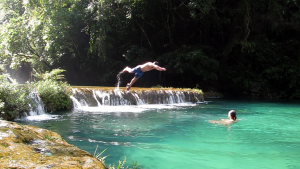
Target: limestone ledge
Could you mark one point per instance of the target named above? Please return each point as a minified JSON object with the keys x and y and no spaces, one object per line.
{"x":95,"y":95}
{"x":24,"y":146}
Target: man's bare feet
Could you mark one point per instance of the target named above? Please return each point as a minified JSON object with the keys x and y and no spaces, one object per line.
{"x":128,"y":86}
{"x":125,"y":69}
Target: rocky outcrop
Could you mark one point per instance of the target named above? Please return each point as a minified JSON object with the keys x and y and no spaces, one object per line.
{"x":23,"y":146}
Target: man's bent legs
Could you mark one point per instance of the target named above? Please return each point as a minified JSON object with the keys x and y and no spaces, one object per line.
{"x":131,"y":82}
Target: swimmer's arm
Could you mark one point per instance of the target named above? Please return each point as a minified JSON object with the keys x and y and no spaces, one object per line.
{"x":222,"y":121}
{"x":214,"y":121}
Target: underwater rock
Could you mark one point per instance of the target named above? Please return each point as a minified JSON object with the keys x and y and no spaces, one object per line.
{"x":23,"y":146}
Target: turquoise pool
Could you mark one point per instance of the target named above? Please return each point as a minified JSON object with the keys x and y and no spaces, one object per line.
{"x":180,"y":136}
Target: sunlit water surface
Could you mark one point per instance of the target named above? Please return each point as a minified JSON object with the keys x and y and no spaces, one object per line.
{"x":180,"y":136}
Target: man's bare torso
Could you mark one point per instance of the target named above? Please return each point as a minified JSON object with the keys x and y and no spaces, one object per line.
{"x":147,"y":66}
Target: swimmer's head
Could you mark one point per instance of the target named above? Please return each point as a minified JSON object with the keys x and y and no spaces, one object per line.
{"x":232,"y":114}
{"x":155,"y":62}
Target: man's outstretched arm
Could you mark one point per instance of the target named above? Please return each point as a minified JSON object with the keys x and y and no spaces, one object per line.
{"x":159,"y":68}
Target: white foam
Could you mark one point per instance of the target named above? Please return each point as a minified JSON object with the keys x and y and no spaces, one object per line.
{"x":110,"y":109}
{"x":132,"y":108}
{"x":40,"y":117}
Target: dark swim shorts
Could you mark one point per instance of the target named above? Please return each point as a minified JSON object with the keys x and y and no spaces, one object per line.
{"x":137,"y":72}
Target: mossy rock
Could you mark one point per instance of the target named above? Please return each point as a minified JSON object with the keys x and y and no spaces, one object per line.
{"x":33,"y":147}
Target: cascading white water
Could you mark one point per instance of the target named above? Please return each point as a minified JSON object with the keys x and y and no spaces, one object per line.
{"x":119,"y":80}
{"x":76,"y":103}
{"x":111,"y":99}
{"x":37,"y":111}
{"x":139,"y":101}
{"x":96,"y":97}
{"x":36,"y":106}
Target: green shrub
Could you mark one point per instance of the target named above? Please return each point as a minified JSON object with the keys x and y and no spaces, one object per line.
{"x":54,"y":94}
{"x":99,"y":157}
{"x":14,"y":100}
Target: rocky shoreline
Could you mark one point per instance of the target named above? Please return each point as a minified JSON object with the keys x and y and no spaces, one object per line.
{"x":24,"y":146}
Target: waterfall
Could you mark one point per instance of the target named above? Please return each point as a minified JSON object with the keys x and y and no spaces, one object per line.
{"x":36,"y":109}
{"x":105,"y":96}
{"x":110,"y":98}
{"x":76,"y":103}
{"x":36,"y":105}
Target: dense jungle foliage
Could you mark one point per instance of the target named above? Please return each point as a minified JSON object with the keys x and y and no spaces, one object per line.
{"x":242,"y":47}
{"x":17,"y":101}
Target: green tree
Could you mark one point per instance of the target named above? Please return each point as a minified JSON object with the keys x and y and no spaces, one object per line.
{"x":39,"y":32}
{"x":239,"y":46}
{"x":54,"y":93}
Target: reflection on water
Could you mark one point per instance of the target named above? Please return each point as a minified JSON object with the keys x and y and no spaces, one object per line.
{"x":180,"y":136}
